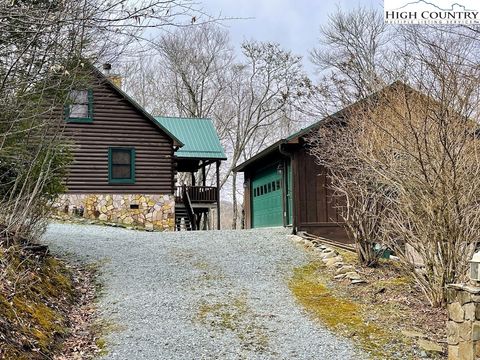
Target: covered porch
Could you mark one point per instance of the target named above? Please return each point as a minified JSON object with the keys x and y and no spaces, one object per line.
{"x":197,"y":192}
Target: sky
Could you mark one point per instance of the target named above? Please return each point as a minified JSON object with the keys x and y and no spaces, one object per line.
{"x":294,"y":24}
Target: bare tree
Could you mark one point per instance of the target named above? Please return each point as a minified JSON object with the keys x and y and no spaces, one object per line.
{"x":352,"y":62}
{"x":409,"y":158}
{"x":351,"y":59}
{"x":196,"y":59}
{"x":260,"y":91}
{"x":358,"y":195}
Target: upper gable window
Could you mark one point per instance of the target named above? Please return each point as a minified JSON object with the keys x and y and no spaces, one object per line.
{"x":80,"y":106}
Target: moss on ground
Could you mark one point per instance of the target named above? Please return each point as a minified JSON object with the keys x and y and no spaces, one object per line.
{"x":35,"y":295}
{"x":235,"y":315}
{"x":340,"y":314}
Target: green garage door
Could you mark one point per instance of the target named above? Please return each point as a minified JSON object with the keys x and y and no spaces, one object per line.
{"x":267,"y":199}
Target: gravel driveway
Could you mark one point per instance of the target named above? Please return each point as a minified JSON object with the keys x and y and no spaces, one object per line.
{"x":199,"y":295}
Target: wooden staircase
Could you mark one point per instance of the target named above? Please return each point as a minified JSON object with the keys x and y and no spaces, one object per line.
{"x":182,"y":220}
{"x":184,"y":212}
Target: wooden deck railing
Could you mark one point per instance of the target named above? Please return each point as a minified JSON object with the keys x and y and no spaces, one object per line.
{"x":199,"y":194}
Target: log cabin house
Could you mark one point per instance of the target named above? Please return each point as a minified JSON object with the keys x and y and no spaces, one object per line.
{"x":125,"y":161}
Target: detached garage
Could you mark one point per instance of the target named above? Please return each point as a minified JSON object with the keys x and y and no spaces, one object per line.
{"x":307,"y":203}
{"x":284,"y":186}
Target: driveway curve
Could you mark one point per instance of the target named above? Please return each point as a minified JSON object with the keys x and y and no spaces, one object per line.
{"x":199,"y":295}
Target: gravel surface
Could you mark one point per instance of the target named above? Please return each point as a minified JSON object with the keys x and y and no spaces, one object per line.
{"x":199,"y":295}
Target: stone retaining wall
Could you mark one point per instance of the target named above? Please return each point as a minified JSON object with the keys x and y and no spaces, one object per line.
{"x":152,"y":212}
{"x":463,"y":326}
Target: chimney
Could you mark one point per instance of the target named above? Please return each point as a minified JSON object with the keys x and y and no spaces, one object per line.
{"x":114,"y":78}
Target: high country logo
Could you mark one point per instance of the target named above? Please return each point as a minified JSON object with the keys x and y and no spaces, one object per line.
{"x":426,"y":12}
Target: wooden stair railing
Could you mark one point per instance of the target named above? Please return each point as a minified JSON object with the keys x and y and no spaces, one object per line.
{"x":188,"y":207}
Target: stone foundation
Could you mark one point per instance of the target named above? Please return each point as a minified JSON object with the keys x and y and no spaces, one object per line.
{"x":463,"y":326}
{"x":152,"y":212}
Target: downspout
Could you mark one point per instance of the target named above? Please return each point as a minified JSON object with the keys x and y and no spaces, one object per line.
{"x":285,"y":174}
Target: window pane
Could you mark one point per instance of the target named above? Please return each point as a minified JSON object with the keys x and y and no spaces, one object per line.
{"x":78,"y":111}
{"x":269,"y":187}
{"x":273,"y":185}
{"x":79,"y":96}
{"x":121,"y":172}
{"x":121,"y":157}
{"x":278,"y":184}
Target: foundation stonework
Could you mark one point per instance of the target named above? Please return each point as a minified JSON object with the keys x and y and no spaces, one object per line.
{"x":463,"y":326}
{"x":152,"y":212}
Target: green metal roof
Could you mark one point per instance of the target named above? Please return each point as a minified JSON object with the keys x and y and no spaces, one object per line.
{"x":198,"y":135}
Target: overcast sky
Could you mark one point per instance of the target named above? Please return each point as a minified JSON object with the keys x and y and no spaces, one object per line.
{"x":292,"y":23}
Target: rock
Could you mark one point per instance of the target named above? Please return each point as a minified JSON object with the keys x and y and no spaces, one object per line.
{"x":453,"y":352}
{"x":469,"y":310}
{"x":330,"y":262}
{"x":452,"y":333}
{"x":477,"y":313}
{"x":359,"y":281}
{"x":103,"y":217}
{"x":476,"y":331}
{"x":339,"y":277}
{"x":308,"y":244}
{"x":429,"y":346}
{"x":465,"y":330}
{"x":352,"y":275}
{"x":413,"y":334}
{"x":465,"y":351}
{"x":328,"y":255}
{"x":455,"y":312}
{"x":464,"y":297}
{"x":345,"y":269}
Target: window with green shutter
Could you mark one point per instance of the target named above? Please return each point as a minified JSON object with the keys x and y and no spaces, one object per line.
{"x":80,"y":106}
{"x":121,"y":165}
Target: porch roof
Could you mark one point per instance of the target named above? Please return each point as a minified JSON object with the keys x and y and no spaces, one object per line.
{"x":198,"y":135}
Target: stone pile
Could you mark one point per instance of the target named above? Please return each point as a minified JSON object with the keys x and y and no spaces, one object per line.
{"x":332,"y":260}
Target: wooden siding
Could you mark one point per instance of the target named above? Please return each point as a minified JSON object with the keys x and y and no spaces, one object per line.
{"x":314,"y":207}
{"x":117,"y":123}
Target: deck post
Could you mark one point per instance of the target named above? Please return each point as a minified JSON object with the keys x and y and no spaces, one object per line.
{"x":217,"y":163}
{"x":204,"y":181}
